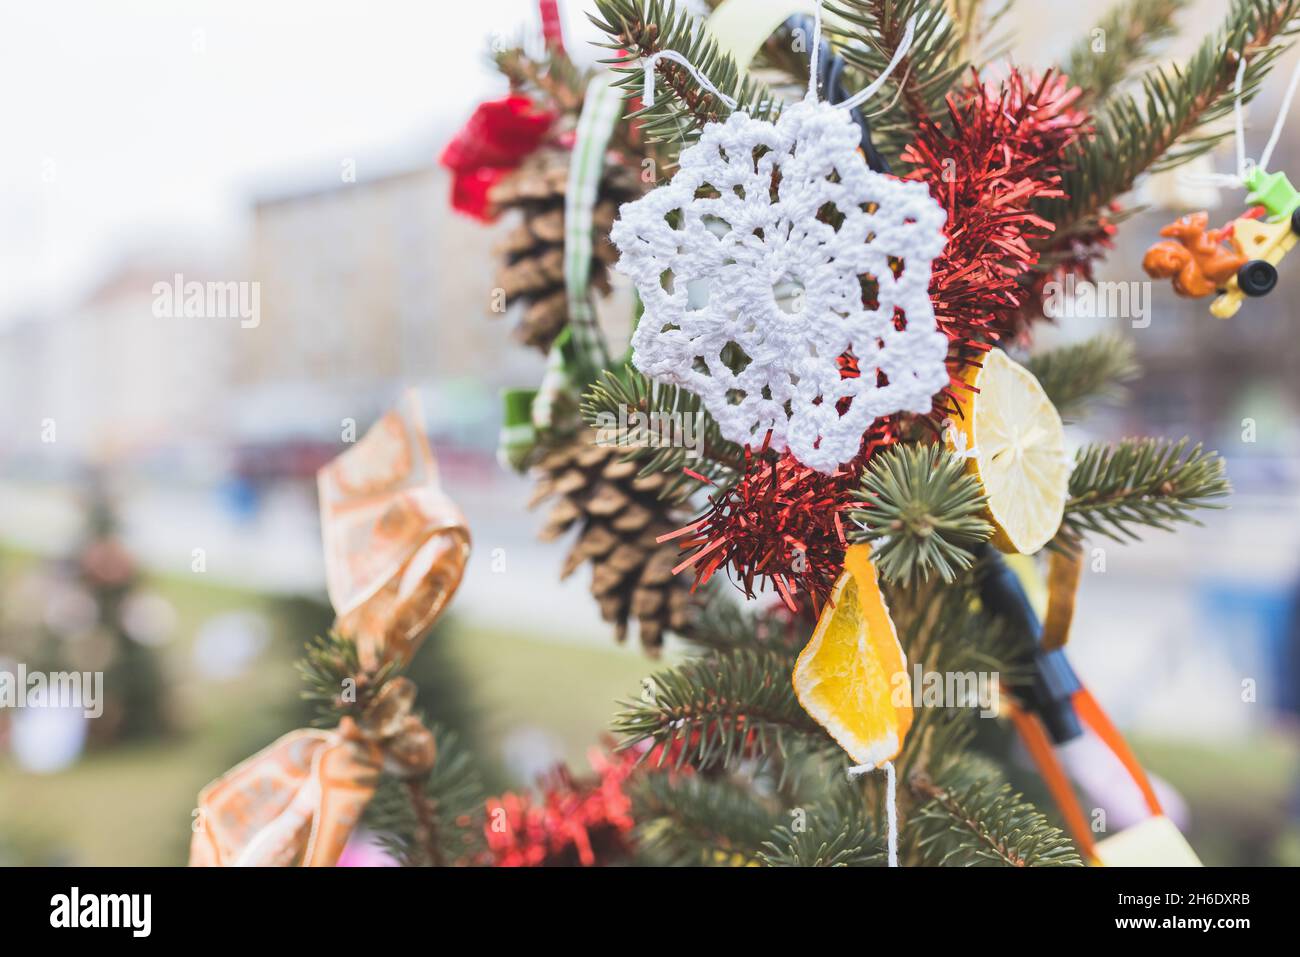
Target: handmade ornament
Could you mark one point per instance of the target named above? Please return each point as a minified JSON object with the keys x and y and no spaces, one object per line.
{"x":296,"y":803}
{"x":1239,"y":260}
{"x":1012,"y":436}
{"x":773,"y":254}
{"x":395,"y":550}
{"x":395,"y":543}
{"x":852,"y":678}
{"x":852,"y":675}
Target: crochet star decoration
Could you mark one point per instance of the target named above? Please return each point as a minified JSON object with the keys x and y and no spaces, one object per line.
{"x":772,"y":261}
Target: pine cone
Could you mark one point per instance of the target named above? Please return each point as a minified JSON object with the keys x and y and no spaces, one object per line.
{"x":533,"y":271}
{"x":619,"y":517}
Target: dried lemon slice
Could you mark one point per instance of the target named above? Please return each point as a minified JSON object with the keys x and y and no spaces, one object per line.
{"x":852,"y":675}
{"x":1016,"y":445}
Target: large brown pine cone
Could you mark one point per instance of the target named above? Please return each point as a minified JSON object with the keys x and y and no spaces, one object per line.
{"x":618,"y":516}
{"x":533,"y":252}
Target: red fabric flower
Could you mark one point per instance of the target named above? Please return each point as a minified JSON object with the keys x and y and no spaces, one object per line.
{"x":494,"y":141}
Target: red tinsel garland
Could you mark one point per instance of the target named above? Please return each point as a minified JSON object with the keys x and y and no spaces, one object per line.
{"x":575,"y":822}
{"x":1003,"y":152}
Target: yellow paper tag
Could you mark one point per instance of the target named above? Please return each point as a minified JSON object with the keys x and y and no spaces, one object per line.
{"x":1156,"y":842}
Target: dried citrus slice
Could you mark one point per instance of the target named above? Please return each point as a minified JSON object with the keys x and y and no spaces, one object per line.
{"x":1016,"y":446}
{"x":852,"y":675}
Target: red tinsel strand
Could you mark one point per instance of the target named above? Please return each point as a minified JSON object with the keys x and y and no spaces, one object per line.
{"x":1003,"y":152}
{"x":572,"y":822}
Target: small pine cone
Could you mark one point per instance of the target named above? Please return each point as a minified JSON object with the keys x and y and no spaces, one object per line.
{"x":619,"y":517}
{"x":532,"y":271}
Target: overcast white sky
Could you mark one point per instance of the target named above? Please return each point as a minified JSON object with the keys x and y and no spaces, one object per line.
{"x":152,"y":122}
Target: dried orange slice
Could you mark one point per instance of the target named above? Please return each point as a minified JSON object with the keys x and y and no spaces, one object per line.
{"x":852,"y":675}
{"x":1016,"y":444}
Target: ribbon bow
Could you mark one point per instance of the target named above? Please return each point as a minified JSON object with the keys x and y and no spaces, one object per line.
{"x":395,"y":552}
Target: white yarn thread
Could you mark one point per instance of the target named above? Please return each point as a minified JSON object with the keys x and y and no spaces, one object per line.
{"x":648,"y":94}
{"x":891,"y":805}
{"x":1267,"y":155}
{"x":1238,"y":179}
{"x":866,"y":93}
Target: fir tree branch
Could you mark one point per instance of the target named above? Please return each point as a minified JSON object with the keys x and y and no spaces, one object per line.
{"x":435,"y":821}
{"x":1130,"y":32}
{"x":1140,"y":482}
{"x":331,"y":670}
{"x":981,"y":822}
{"x":642,"y":28}
{"x":871,"y":31}
{"x":692,"y":820}
{"x":715,"y":711}
{"x":1168,"y":126}
{"x":723,"y":625}
{"x":838,"y":832}
{"x":1076,"y":375}
{"x":924,"y":510}
{"x":664,"y":427}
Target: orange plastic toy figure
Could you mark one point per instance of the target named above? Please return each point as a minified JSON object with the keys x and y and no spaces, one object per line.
{"x":1193,"y":256}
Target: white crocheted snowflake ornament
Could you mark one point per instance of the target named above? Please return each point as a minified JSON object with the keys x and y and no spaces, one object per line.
{"x":773,"y":252}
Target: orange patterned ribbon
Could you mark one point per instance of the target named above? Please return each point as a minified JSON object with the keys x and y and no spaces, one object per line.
{"x":395,"y":551}
{"x":395,"y":544}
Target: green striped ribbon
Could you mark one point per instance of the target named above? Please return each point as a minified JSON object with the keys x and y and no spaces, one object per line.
{"x":601,"y":107}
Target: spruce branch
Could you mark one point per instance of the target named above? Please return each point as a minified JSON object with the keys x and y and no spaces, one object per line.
{"x":869,"y":32}
{"x":664,"y":427}
{"x":723,"y":625}
{"x":1140,"y":482}
{"x":970,"y":821}
{"x":1076,"y":375}
{"x":330,"y":668}
{"x":689,"y":820}
{"x":1167,"y":126}
{"x":924,"y":511}
{"x":1129,"y":33}
{"x":554,"y":79}
{"x":638,"y":29}
{"x":838,"y":832}
{"x":434,"y":821}
{"x":717,"y":710}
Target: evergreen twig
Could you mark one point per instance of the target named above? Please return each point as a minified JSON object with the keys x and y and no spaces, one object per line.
{"x":693,"y":820}
{"x":641,"y":28}
{"x":1076,"y":375}
{"x":1168,"y":126}
{"x":1140,"y":482}
{"x":1129,"y":32}
{"x":653,"y":421}
{"x":869,"y":33}
{"x":981,"y":822}
{"x":924,"y":511}
{"x":716,"y":710}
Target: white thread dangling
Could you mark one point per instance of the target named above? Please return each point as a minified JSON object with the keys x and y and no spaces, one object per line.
{"x":866,"y":93}
{"x":891,"y":805}
{"x":648,"y":95}
{"x":1237,"y":180}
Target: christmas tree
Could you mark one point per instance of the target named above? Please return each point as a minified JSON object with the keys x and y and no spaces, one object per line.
{"x":836,"y":313}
